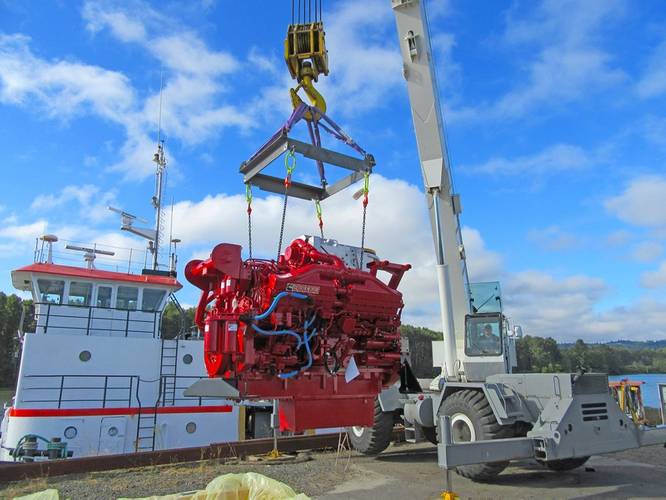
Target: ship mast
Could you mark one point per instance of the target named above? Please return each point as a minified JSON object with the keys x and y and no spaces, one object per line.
{"x":154,"y":235}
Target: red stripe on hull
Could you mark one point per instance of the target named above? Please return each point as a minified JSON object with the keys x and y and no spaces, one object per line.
{"x":90,"y":412}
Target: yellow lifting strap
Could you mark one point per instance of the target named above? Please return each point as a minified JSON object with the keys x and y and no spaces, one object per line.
{"x":306,"y":57}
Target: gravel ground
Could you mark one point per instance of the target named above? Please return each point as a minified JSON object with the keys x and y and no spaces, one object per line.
{"x":313,"y":477}
{"x":401,"y":469}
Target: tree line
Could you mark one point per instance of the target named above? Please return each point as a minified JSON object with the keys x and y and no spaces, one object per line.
{"x":543,"y":355}
{"x":535,"y":354}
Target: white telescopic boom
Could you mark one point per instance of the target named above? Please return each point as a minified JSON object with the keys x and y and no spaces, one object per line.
{"x":443,"y":205}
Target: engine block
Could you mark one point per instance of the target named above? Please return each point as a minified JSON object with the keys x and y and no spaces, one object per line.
{"x":318,"y":335}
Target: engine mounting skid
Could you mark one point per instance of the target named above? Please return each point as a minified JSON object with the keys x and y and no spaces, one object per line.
{"x":320,"y":336}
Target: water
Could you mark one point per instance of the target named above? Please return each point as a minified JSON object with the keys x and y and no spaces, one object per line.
{"x":650,"y":389}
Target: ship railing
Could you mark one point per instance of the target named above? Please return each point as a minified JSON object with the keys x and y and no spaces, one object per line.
{"x":78,"y":391}
{"x":105,"y":391}
{"x":96,"y":320}
{"x":124,"y":259}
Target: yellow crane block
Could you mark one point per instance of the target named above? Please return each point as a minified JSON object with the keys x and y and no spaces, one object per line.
{"x":306,"y":42}
{"x":306,"y":57}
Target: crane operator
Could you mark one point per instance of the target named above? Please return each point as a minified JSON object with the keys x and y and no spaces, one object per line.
{"x":487,"y":341}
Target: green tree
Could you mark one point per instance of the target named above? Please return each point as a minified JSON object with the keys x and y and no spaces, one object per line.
{"x":538,"y":354}
{"x":171,"y":321}
{"x":10,"y":318}
{"x":420,"y":349}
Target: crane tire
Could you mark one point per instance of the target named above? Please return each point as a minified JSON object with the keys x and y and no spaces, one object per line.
{"x":472,"y":419}
{"x":566,"y":463}
{"x":373,"y":440}
{"x":430,"y":433}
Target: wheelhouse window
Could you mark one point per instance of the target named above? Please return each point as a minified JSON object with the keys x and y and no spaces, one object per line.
{"x":128,"y":298}
{"x":152,"y":299}
{"x":51,"y":291}
{"x":483,"y":335}
{"x":104,"y":296}
{"x":79,"y":293}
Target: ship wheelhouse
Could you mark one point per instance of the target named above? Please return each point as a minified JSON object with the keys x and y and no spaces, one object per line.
{"x":78,"y":301}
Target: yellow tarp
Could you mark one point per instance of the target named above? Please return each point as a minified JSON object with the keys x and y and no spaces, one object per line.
{"x":50,"y":494}
{"x":245,"y":486}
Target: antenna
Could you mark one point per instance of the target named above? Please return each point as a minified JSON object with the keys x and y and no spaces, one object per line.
{"x":49,"y":239}
{"x":127,"y":217}
{"x":127,"y":224}
{"x":89,"y":254}
{"x":153,"y":235}
{"x":172,"y":241}
{"x":160,"y":160}
{"x":159,"y":116}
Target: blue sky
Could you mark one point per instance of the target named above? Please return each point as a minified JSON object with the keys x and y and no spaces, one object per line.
{"x":555,"y":122}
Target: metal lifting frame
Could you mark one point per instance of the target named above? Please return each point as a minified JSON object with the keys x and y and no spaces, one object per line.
{"x":280,"y":142}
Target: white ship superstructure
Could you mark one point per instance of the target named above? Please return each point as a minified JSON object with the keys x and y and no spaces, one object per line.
{"x":96,"y":374}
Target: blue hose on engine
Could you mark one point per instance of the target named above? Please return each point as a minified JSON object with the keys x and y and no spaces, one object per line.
{"x":305,"y":339}
{"x":271,"y":308}
{"x":277,"y":299}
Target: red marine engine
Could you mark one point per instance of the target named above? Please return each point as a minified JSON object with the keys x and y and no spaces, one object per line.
{"x":308,"y":330}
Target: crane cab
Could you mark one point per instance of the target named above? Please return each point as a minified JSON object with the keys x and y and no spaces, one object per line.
{"x":489,"y":345}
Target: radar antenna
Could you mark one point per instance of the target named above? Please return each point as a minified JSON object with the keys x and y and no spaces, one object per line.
{"x":89,"y":254}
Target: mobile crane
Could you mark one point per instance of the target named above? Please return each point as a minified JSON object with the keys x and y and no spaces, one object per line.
{"x":482,"y":414}
{"x":317,"y":330}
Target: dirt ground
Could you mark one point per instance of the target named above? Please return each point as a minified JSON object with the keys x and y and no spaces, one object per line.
{"x":403,"y":471}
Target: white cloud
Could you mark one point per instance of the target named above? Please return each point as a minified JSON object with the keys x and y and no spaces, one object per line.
{"x":653,"y":81}
{"x":186,"y":53}
{"x":656,"y":278}
{"x":269,"y":64}
{"x":553,"y":238}
{"x":647,"y":251}
{"x":396,"y":208}
{"x":483,"y":264}
{"x":123,"y":26}
{"x":364,"y":58}
{"x":548,"y":306}
{"x":61,"y":88}
{"x":25,"y":232}
{"x":193,"y":108}
{"x":195,"y":82}
{"x":569,"y":63}
{"x":92,"y":202}
{"x":642,"y":203}
{"x":619,"y":238}
{"x":564,"y":307}
{"x":552,"y":160}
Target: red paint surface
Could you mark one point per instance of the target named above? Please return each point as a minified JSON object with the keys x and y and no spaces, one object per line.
{"x":97,"y":274}
{"x":90,"y":412}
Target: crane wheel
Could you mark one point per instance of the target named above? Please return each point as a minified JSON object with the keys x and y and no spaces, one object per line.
{"x":566,"y":463}
{"x":430,"y":433}
{"x":373,"y":440}
{"x":472,"y":419}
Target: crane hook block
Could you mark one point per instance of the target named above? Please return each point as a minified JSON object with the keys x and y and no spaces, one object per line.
{"x":305,"y":42}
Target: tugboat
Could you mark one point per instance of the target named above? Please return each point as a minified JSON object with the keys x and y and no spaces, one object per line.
{"x":96,"y":377}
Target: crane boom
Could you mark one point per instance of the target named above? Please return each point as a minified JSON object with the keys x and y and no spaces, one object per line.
{"x":443,"y":205}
